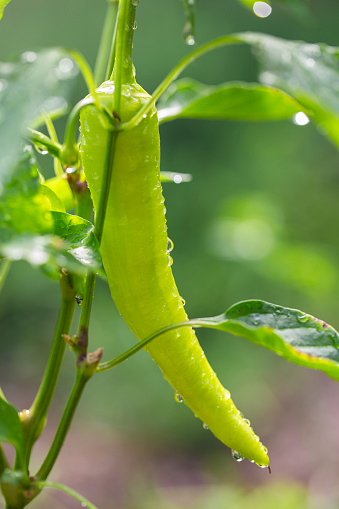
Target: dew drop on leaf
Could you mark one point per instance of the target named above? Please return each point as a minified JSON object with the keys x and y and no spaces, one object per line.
{"x":170,"y":245}
{"x":178,"y":398}
{"x":237,"y":456}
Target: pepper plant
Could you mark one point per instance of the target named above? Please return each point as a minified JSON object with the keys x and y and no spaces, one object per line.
{"x":113,"y":167}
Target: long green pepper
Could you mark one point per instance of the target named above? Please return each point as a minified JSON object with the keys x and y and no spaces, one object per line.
{"x":134,"y":252}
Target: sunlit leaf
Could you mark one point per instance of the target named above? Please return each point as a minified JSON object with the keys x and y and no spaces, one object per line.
{"x":39,"y":80}
{"x":82,"y":242}
{"x":307,"y":72}
{"x":3,"y":4}
{"x":35,"y":228}
{"x":292,"y":334}
{"x":188,"y":98}
{"x":10,"y":426}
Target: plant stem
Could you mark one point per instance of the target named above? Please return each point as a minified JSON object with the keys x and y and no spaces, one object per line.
{"x":39,"y":408}
{"x":177,"y":70}
{"x":106,"y":42}
{"x":123,"y":66}
{"x":105,"y":366}
{"x":84,"y":502}
{"x":4,"y":269}
{"x":99,"y":226}
{"x":64,"y":425}
{"x":72,"y":121}
{"x":41,"y":139}
{"x":54,"y":137}
{"x":3,"y":461}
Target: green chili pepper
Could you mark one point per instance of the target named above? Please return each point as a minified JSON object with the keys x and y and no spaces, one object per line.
{"x":138,"y":267}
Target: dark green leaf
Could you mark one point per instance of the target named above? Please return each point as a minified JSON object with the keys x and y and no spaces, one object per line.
{"x":307,"y":72}
{"x":10,"y":426}
{"x":39,"y":80}
{"x":294,"y":335}
{"x":188,"y":98}
{"x":189,"y":29}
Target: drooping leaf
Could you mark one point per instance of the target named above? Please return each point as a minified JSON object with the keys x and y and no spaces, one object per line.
{"x":290,"y":333}
{"x":39,"y":80}
{"x":187,"y":98}
{"x":3,"y":4}
{"x":307,"y":72}
{"x":10,"y":426}
{"x":189,"y":28}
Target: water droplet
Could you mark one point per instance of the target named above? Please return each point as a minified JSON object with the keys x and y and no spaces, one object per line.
{"x":144,"y":115}
{"x":29,"y":56}
{"x":190,"y":40}
{"x":178,"y":398}
{"x":237,"y":456}
{"x":310,"y":62}
{"x":183,"y":301}
{"x":83,"y":504}
{"x":170,"y":245}
{"x":262,"y":9}
{"x":170,"y":261}
{"x":3,"y":84}
{"x":205,"y":426}
{"x":304,"y":318}
{"x":41,"y":149}
{"x":247,"y":421}
{"x":267,"y":77}
{"x":78,"y":300}
{"x":71,"y":169}
{"x":300,"y":118}
{"x":135,"y":2}
{"x":262,"y":466}
{"x":66,"y":65}
{"x":135,"y":25}
{"x":177,"y":179}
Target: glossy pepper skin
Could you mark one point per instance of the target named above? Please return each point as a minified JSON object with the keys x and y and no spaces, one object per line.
{"x":134,"y":252}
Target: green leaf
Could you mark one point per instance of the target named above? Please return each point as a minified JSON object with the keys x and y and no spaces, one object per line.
{"x":22,"y":207}
{"x":35,"y":228}
{"x":71,"y":245}
{"x":39,"y":80}
{"x":188,"y":98}
{"x":3,"y":4}
{"x":307,"y":72}
{"x":290,"y":333}
{"x":189,"y":28}
{"x":82,"y":242}
{"x":10,"y":426}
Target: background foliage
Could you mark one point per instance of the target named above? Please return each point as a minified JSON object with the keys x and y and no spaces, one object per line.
{"x":257,"y":221}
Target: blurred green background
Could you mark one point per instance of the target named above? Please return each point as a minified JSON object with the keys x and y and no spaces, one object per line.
{"x":257,"y":221}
